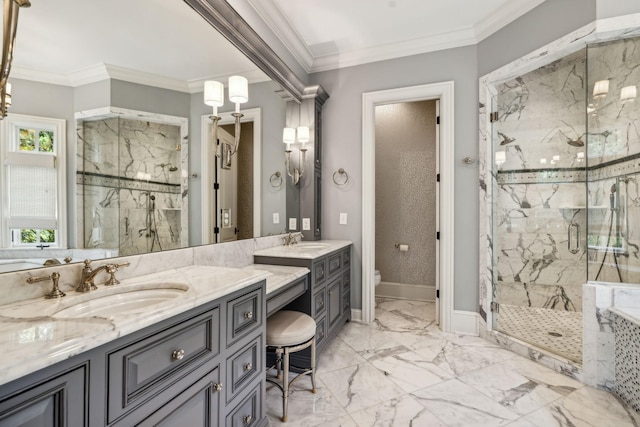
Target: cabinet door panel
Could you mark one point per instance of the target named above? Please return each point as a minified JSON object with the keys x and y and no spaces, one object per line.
{"x":56,"y":402}
{"x":198,"y":405}
{"x":335,"y":301}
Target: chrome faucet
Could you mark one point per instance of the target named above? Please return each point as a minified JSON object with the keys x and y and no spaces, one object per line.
{"x":291,"y":238}
{"x":88,"y":275}
{"x":88,"y":278}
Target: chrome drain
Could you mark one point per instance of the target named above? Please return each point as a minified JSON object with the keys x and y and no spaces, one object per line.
{"x":555,"y":334}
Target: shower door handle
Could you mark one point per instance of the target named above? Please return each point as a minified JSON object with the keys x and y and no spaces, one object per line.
{"x":574,"y":238}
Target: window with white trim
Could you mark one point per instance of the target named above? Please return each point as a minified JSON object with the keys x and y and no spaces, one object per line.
{"x":32,"y":183}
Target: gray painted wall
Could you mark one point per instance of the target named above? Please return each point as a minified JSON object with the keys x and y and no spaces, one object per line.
{"x":542,"y":25}
{"x":342,"y":147}
{"x":610,"y":8}
{"x":343,"y":125}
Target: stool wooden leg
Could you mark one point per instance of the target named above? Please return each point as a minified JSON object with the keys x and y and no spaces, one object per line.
{"x":313,"y":365}
{"x":285,"y":385}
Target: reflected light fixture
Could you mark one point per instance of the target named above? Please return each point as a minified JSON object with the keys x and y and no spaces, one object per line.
{"x":11,"y":9}
{"x":628,"y":94}
{"x":214,"y":97}
{"x":601,"y":89}
{"x":289,"y":137}
{"x":501,"y":157}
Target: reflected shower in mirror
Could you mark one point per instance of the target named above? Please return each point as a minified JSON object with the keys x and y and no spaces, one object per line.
{"x":142,"y":85}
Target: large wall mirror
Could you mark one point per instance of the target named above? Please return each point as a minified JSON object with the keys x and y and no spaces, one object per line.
{"x":127,"y":85}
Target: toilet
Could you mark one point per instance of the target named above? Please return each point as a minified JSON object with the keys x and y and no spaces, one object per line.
{"x":378,"y":278}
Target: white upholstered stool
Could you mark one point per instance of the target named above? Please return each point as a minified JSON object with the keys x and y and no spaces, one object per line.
{"x":288,"y":332}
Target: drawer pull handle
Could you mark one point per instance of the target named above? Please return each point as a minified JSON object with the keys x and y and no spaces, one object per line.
{"x":247,"y":367}
{"x":217,"y":387}
{"x":246,"y":420}
{"x":248,"y":315}
{"x":178,"y":354}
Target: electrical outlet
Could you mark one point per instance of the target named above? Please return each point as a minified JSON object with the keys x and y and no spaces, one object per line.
{"x":343,"y":218}
{"x":306,"y":224}
{"x":293,"y":224}
{"x":276,"y":218}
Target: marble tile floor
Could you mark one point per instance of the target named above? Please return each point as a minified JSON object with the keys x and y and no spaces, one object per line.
{"x":559,"y":332}
{"x":403,"y":371}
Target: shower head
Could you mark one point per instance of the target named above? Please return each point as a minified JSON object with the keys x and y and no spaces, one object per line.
{"x":576,"y":142}
{"x":173,"y":168}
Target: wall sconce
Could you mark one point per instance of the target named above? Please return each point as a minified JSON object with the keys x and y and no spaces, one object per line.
{"x":214,"y":96}
{"x":289,"y":137}
{"x":600,"y":89}
{"x":628,"y":94}
{"x":11,"y":8}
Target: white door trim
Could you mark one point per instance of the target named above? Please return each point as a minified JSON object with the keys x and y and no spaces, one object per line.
{"x":443,"y":91}
{"x":206,"y":169}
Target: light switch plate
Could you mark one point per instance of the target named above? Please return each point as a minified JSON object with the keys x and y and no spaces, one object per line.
{"x":306,"y":223}
{"x":276,"y":218}
{"x":343,"y":218}
{"x":293,"y":224}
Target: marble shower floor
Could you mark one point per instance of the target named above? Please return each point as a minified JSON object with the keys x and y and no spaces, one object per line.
{"x":403,"y":371}
{"x":559,"y":332}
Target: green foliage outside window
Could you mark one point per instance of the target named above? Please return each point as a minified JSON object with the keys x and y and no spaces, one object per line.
{"x":28,"y":140}
{"x":30,"y":235}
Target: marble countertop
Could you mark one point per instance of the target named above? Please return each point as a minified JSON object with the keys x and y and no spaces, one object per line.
{"x":631,"y":314}
{"x":304,"y":250}
{"x":33,"y":337}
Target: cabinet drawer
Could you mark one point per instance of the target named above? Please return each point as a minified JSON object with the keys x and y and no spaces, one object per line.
{"x":243,"y":367}
{"x":319,"y":271}
{"x":335,"y":263}
{"x":319,"y":302}
{"x":282,"y":298}
{"x":321,"y":331}
{"x":243,"y":315}
{"x":248,"y":412}
{"x":334,"y":291}
{"x":142,"y":369}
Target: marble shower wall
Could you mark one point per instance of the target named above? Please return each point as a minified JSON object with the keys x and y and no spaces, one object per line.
{"x":132,"y":182}
{"x":540,"y":190}
{"x":614,"y":149}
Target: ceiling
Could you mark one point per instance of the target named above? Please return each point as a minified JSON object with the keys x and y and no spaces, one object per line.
{"x":330,"y":34}
{"x":167,"y":44}
{"x":164,"y":43}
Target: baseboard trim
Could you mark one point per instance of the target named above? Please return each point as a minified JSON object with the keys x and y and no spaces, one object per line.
{"x":465,"y":322}
{"x":356,"y":315}
{"x":406,"y":291}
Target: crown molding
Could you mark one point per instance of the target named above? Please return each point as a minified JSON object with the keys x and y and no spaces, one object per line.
{"x":280,"y":25}
{"x":441,"y":41}
{"x":100,"y":72}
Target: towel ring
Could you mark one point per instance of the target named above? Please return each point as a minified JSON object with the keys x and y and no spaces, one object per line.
{"x":276,"y":179}
{"x":344,"y":174}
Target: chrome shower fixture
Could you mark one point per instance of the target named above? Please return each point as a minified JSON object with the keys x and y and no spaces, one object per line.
{"x":171,"y":167}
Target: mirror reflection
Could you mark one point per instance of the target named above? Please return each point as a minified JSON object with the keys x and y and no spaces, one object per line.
{"x":125,"y":109}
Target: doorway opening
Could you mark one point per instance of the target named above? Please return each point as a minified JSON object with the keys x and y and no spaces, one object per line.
{"x":231,"y":196}
{"x":406,"y":241}
{"x":444,"y":264}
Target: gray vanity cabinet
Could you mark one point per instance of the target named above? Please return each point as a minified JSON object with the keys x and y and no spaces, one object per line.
{"x":57,"y":400}
{"x":328,"y":299}
{"x":204,"y":367}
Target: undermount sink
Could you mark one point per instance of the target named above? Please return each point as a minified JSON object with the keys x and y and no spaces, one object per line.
{"x":121,"y":303}
{"x":309,"y":246}
{"x":105,"y":302}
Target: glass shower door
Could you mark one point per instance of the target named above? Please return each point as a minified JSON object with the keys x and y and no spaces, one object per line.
{"x":539,"y":206}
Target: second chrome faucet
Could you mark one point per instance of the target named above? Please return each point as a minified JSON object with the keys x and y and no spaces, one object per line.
{"x":87,"y":279}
